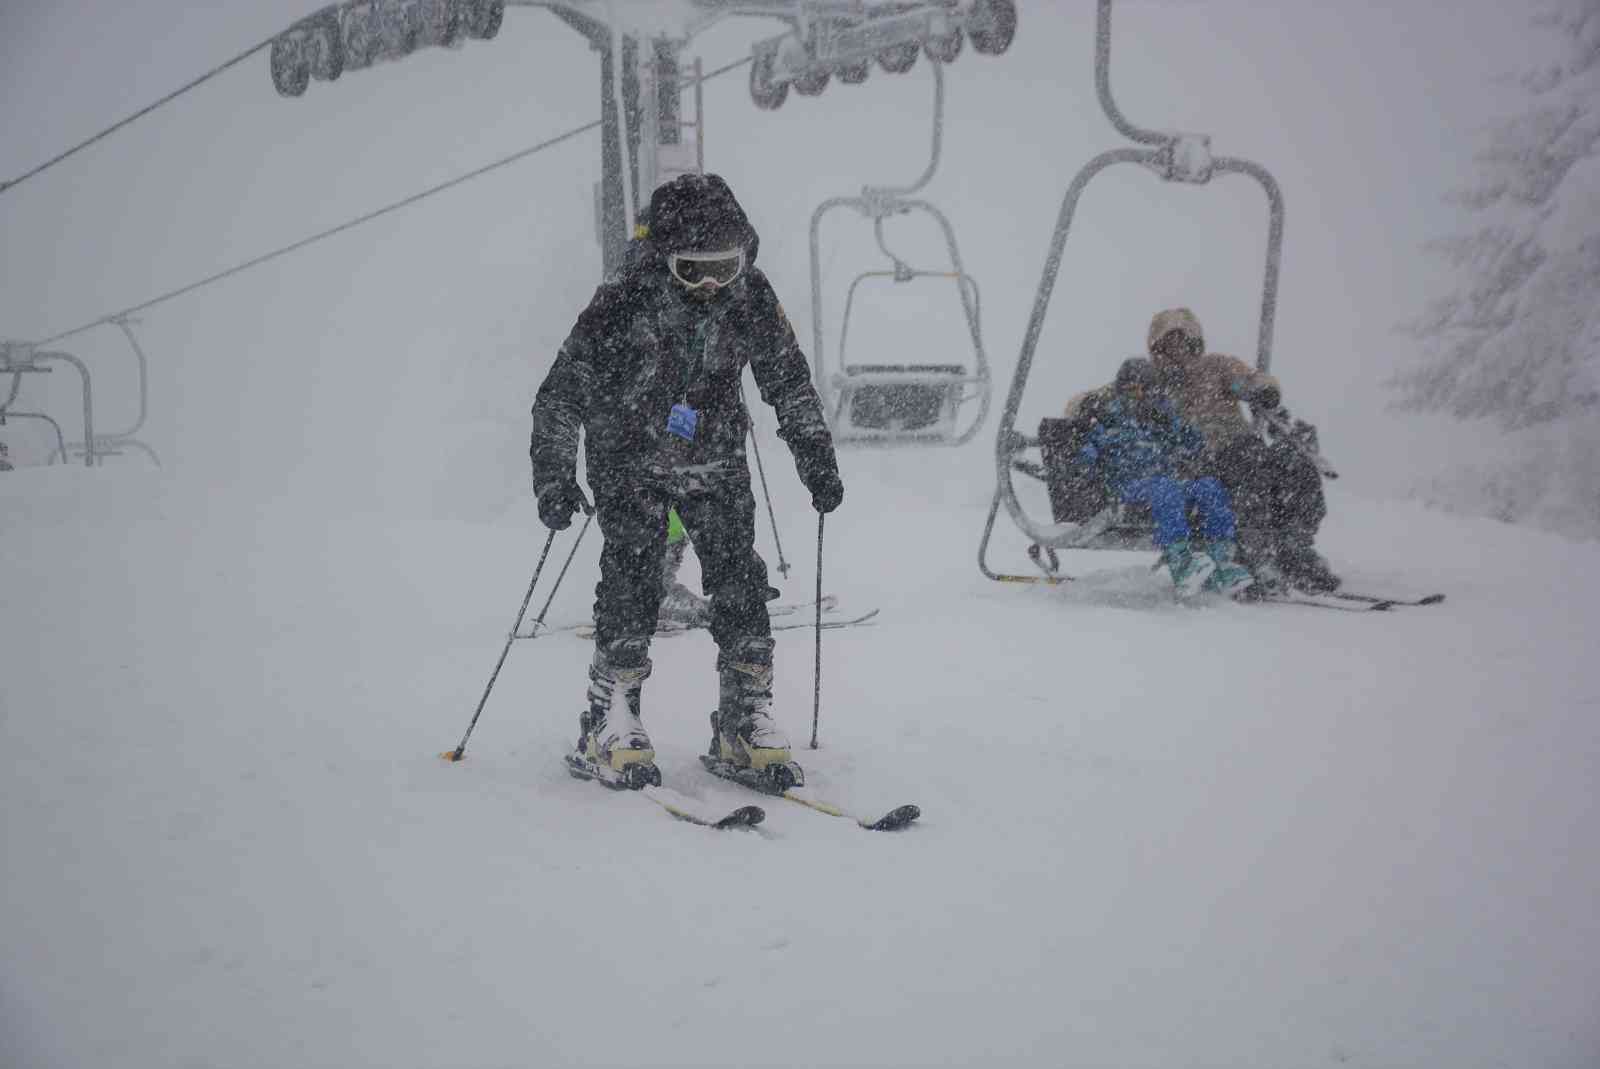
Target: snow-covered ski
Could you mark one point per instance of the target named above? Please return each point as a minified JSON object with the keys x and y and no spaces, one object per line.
{"x":828,"y":625}
{"x":896,"y":818}
{"x":1378,"y":599}
{"x":746,"y":816}
{"x":586,"y":630}
{"x":1334,"y":601}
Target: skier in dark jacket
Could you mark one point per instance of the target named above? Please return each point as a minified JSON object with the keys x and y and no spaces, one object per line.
{"x":651,"y":373}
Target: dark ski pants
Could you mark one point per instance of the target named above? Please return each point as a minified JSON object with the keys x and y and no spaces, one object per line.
{"x":1169,"y":500}
{"x":718,"y":511}
{"x":1277,"y":492}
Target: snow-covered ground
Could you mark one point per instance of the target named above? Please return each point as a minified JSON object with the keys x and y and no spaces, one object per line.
{"x":1153,"y":835}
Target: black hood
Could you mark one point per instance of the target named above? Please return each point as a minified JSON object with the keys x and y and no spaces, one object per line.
{"x":698,"y":213}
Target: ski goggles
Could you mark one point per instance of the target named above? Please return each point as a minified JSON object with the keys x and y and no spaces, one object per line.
{"x":708,"y":270}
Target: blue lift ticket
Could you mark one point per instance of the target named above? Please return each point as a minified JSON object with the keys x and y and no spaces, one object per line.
{"x":683,"y":421}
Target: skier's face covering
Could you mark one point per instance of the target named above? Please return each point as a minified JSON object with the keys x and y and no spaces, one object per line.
{"x":704,"y":274}
{"x":1175,"y":348}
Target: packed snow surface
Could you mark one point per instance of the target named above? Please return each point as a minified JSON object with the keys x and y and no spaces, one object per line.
{"x":1153,"y":834}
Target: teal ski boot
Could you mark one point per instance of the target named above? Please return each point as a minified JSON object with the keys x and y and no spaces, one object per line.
{"x":1230,"y":577}
{"x":1190,"y":570}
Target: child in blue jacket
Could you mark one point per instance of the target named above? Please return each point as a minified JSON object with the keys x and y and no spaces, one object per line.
{"x":1139,"y":446}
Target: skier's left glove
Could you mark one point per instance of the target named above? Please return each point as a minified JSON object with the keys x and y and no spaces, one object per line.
{"x":819,"y":470}
{"x":1266,"y":398}
{"x":826,"y":491}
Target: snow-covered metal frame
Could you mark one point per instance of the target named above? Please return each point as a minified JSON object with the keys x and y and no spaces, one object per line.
{"x":831,"y":37}
{"x":20,"y":358}
{"x":113,"y":444}
{"x":900,"y":402}
{"x":358,"y":33}
{"x":1174,"y":157}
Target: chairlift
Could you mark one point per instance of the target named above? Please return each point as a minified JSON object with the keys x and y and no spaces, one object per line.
{"x":114,"y":443}
{"x":20,"y":358}
{"x":1080,"y":518}
{"x":7,"y":415}
{"x":893,"y":403}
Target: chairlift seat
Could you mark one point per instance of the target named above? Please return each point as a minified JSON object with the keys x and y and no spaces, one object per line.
{"x":1077,"y":496}
{"x":899,"y":401}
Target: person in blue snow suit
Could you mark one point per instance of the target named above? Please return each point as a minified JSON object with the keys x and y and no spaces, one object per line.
{"x":1145,"y":454}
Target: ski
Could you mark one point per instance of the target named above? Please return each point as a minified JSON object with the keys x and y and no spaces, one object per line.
{"x":830,"y":625}
{"x":1315,"y":602}
{"x":1340,"y":600}
{"x":586,"y":630}
{"x":1376,"y":599}
{"x":896,"y":818}
{"x":747,"y":816}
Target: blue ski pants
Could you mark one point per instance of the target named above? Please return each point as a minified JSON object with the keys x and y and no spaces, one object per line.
{"x":1169,"y":500}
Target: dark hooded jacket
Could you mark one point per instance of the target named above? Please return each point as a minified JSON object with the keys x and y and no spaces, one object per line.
{"x":644,"y":344}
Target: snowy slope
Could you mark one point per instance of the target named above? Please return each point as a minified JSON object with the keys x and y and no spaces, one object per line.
{"x":1153,"y":836}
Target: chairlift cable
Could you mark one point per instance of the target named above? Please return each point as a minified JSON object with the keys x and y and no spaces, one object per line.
{"x":303,"y":242}
{"x":6,"y":187}
{"x":368,"y":217}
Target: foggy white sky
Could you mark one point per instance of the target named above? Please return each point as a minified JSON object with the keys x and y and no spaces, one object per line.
{"x":1363,"y":110}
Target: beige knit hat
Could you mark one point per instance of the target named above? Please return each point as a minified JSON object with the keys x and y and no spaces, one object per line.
{"x":1174,"y":319}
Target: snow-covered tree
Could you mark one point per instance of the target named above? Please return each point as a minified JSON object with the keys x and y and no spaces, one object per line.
{"x":1518,"y":341}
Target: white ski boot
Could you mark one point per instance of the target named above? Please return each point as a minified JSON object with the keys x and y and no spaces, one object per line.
{"x":612,"y":738}
{"x":745,"y":740}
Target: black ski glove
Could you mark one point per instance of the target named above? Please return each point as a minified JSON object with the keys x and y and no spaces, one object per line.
{"x":819,"y":470}
{"x":826,"y":491}
{"x":559,"y":502}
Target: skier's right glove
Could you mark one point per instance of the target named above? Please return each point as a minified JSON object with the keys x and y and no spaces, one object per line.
{"x":559,"y":502}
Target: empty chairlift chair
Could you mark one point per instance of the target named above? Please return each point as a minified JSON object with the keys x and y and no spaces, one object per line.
{"x":894,"y":401}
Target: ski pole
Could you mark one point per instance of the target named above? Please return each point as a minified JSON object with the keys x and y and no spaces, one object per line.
{"x":539,"y":620}
{"x":460,"y":751}
{"x":755,"y":448}
{"x":816,"y":693}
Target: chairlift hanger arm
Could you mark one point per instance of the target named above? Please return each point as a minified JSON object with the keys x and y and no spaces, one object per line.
{"x":892,"y":193}
{"x":144,"y":378}
{"x":1102,"y":83}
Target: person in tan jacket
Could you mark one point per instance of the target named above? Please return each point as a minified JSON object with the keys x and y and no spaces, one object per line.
{"x":1276,"y":490}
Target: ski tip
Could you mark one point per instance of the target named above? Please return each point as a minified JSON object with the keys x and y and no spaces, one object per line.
{"x":743,"y":817}
{"x":1431,"y":599}
{"x":453,"y":756}
{"x":896,"y":818}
